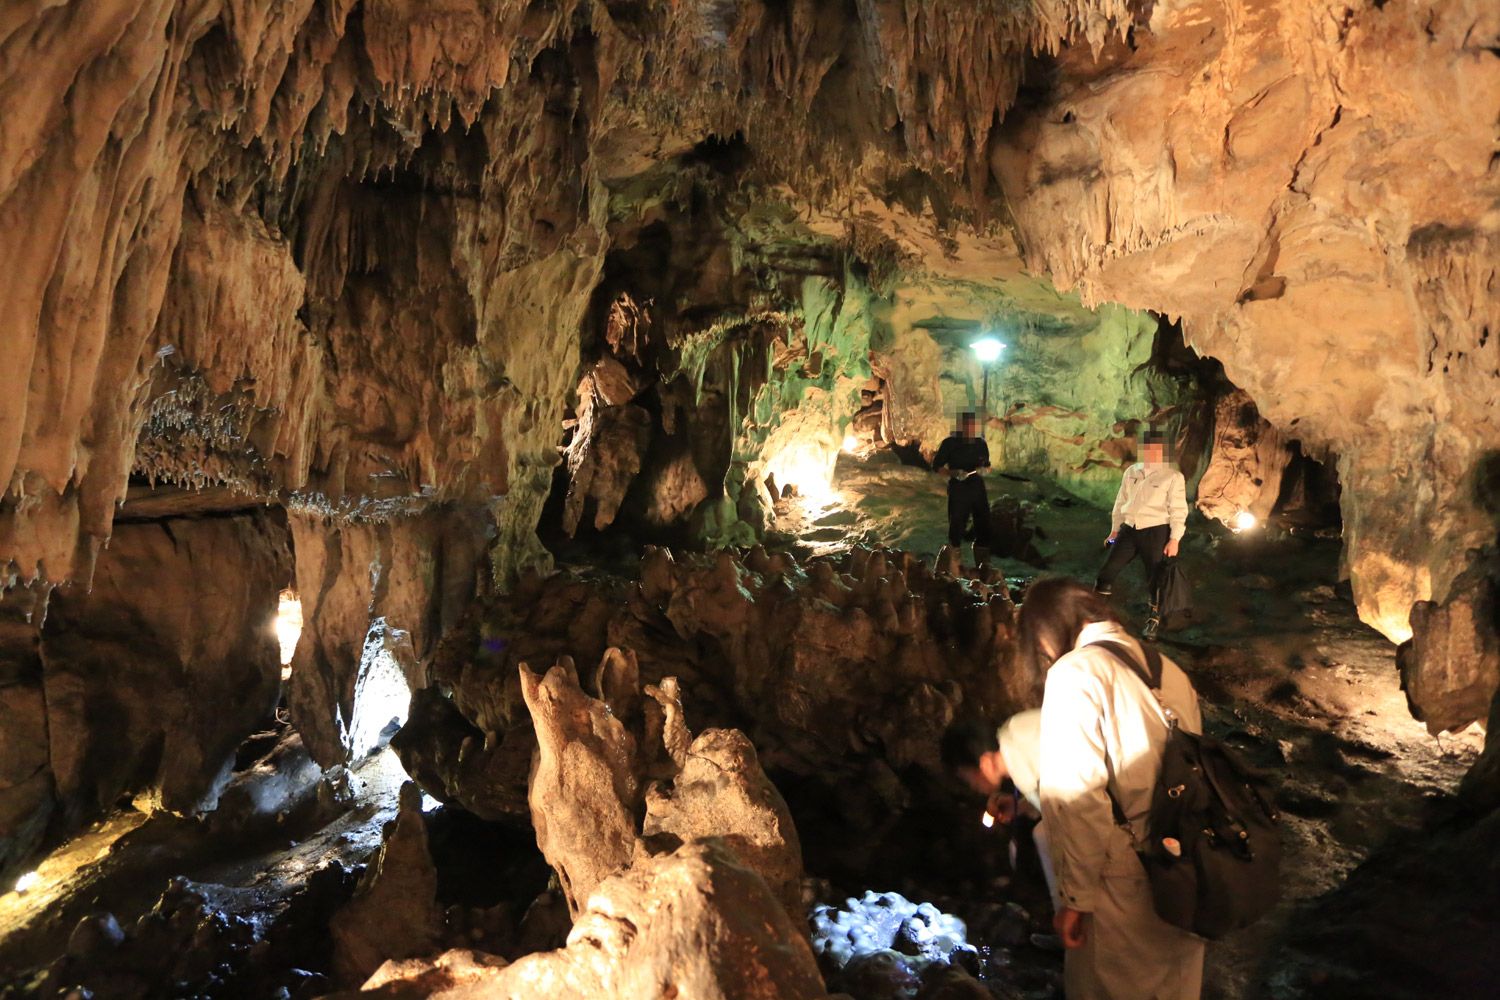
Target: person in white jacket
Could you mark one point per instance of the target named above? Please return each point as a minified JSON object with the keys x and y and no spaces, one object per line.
{"x":984,"y":758}
{"x":1148,"y":520}
{"x":1102,"y":736}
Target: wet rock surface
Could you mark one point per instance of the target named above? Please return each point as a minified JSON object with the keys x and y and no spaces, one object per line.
{"x":141,"y":691}
{"x":882,"y":946}
{"x":394,"y":913}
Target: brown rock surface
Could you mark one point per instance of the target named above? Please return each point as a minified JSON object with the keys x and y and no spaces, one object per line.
{"x":337,"y":253}
{"x":1450,"y":667}
{"x":1246,"y":464}
{"x":584,"y":788}
{"x":1314,"y":197}
{"x":394,"y":913}
{"x":831,"y":663}
{"x":383,"y":580}
{"x":608,"y":787}
{"x":27,"y":795}
{"x":146,"y":689}
{"x":722,"y":792}
{"x":693,"y":923}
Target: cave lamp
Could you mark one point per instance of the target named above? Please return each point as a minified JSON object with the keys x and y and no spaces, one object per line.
{"x":987,"y":350}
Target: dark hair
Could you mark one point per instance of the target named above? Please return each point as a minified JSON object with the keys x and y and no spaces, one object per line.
{"x":1053,"y":611}
{"x":966,"y":741}
{"x":1157,"y":436}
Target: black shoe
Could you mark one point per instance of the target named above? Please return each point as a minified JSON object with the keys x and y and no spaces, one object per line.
{"x":1103,"y":589}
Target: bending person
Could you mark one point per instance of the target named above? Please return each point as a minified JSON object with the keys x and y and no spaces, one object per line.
{"x":1102,"y":736}
{"x":985,"y":758}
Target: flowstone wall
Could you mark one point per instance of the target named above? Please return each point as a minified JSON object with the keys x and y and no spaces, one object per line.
{"x":354,"y":258}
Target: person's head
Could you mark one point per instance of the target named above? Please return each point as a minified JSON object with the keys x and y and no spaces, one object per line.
{"x":1153,"y":447}
{"x":971,"y":751}
{"x":968,"y":424}
{"x":1053,"y":611}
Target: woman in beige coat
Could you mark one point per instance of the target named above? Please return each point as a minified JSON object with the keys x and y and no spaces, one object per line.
{"x":1102,"y":737}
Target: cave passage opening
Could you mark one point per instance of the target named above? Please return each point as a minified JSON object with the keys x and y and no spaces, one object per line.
{"x":288,"y":627}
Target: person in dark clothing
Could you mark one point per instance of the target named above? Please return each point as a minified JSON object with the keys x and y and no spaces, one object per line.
{"x":963,"y":456}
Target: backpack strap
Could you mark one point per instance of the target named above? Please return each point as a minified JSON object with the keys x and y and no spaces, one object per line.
{"x":1150,"y":674}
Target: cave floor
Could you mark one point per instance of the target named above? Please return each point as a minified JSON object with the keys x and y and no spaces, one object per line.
{"x":1285,"y":668}
{"x":1287,"y":673}
{"x":248,"y":871}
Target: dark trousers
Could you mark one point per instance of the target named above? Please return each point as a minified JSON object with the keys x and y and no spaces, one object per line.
{"x":1147,"y":543}
{"x":966,"y":499}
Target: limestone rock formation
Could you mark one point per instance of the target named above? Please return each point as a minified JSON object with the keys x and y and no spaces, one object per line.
{"x":693,"y":923}
{"x":677,"y":858}
{"x":418,"y":978}
{"x":371,"y":586}
{"x":1248,"y":459}
{"x":722,"y":792}
{"x":1450,"y":668}
{"x":143,"y":690}
{"x":584,"y":787}
{"x":833,"y":667}
{"x":394,"y":913}
{"x":356,"y":259}
{"x":1319,"y":228}
{"x":616,"y":780}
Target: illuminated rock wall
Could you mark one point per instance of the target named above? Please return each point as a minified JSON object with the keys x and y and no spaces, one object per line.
{"x":1313,"y":194}
{"x":332,"y":253}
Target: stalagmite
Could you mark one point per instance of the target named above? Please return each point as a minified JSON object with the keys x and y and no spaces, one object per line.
{"x":580,"y":366}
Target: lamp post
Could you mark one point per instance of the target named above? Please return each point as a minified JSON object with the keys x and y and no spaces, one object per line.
{"x":987,"y":350}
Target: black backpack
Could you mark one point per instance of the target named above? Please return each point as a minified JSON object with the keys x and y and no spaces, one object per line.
{"x":1225,"y":871}
{"x":1173,"y":593}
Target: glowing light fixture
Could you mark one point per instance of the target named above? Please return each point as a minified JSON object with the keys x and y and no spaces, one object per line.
{"x":27,"y":881}
{"x":1244,"y":521}
{"x":807,"y":465}
{"x":987,"y":349}
{"x":987,"y":820}
{"x":288,"y":628}
{"x":851,"y":443}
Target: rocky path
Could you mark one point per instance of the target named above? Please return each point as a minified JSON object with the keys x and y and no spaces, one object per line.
{"x":1287,"y":672}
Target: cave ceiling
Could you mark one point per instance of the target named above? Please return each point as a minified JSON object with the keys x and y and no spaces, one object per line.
{"x":349,"y":255}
